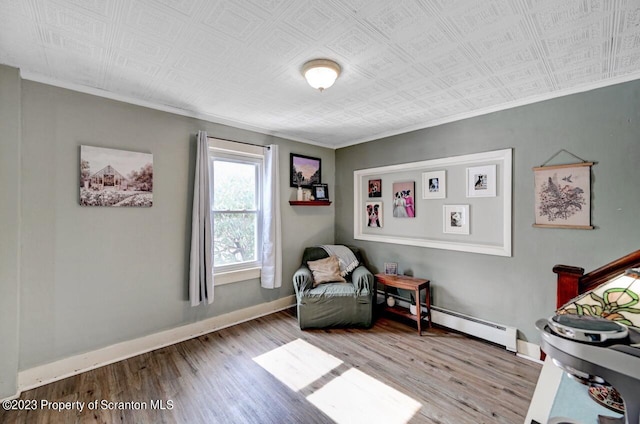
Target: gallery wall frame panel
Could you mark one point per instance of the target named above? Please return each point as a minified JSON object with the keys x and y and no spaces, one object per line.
{"x":491,"y":232}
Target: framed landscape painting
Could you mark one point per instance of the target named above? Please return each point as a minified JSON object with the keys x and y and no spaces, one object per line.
{"x":305,"y":171}
{"x":110,"y":177}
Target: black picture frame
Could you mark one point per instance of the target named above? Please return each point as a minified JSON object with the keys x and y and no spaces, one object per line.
{"x":320,"y":191}
{"x":304,"y":170}
{"x":375,"y":188}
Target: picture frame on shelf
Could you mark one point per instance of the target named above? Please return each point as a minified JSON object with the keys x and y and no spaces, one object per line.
{"x":481,"y":181}
{"x":320,"y":191}
{"x":304,"y":170}
{"x":434,"y":185}
{"x":455,"y":219}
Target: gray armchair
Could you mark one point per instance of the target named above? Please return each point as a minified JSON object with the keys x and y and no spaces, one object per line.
{"x":334,"y":304}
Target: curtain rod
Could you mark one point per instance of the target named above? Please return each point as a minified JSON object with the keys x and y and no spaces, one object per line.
{"x":241,"y":142}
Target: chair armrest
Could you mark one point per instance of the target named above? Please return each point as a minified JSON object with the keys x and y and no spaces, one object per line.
{"x":362,"y":279}
{"x":302,"y":280}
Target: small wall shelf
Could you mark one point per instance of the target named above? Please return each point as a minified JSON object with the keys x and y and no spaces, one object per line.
{"x":309,"y":202}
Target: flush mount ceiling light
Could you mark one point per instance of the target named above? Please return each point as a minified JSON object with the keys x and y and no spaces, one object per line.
{"x":321,"y":73}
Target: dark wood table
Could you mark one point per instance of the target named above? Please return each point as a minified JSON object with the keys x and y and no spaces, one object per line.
{"x":407,"y":283}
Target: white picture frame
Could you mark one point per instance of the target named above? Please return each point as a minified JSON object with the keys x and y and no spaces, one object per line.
{"x":434,"y":185}
{"x":481,"y":181}
{"x":374,"y":214}
{"x":455,"y":219}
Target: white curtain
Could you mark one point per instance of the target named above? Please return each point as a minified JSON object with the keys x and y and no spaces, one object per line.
{"x":271,"y":274}
{"x":201,"y":263}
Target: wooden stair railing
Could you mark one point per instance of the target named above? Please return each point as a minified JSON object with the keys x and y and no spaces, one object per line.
{"x":572,"y":281}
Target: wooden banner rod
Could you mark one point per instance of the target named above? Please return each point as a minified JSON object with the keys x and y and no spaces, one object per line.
{"x":570,"y":165}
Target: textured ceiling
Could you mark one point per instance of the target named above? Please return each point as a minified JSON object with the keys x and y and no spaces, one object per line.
{"x":407,"y":64}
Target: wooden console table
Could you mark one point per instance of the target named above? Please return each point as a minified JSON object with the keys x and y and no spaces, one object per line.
{"x":407,"y":283}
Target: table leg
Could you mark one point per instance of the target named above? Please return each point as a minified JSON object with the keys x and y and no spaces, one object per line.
{"x":418,"y":311}
{"x":386,"y":293}
{"x":428,"y":302}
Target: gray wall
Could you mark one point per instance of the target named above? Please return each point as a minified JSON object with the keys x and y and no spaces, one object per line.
{"x":9,"y":228}
{"x":601,"y":125}
{"x":92,"y":277}
{"x":77,"y":279}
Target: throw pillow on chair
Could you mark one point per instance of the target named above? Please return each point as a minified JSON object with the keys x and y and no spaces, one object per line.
{"x":326,"y":271}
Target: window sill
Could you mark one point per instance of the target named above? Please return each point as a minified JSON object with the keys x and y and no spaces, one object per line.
{"x":235,"y":276}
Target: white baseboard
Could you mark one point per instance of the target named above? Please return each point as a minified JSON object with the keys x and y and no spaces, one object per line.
{"x":469,"y":325}
{"x":73,"y":365}
{"x":16,"y":396}
{"x":529,"y":351}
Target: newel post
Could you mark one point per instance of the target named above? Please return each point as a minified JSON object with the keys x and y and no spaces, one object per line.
{"x":567,"y":285}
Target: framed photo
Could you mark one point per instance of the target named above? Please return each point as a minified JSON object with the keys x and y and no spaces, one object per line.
{"x":391,"y":268}
{"x":563,"y":196}
{"x":374,"y":214}
{"x":320,"y":191}
{"x":403,"y":199}
{"x":305,"y":171}
{"x":375,"y":188}
{"x":110,"y":177}
{"x":481,"y":181}
{"x":455,"y":219}
{"x":434,"y":185}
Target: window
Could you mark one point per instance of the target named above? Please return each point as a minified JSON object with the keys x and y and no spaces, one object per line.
{"x":236,"y":210}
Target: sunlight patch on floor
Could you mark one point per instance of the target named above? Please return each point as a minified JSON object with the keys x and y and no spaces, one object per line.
{"x":355,"y":397}
{"x":297,"y":364}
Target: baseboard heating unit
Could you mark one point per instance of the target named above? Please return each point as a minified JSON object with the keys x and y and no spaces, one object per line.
{"x":490,"y":331}
{"x":496,"y":333}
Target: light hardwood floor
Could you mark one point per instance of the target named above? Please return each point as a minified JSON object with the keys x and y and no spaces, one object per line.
{"x":214,"y":378}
